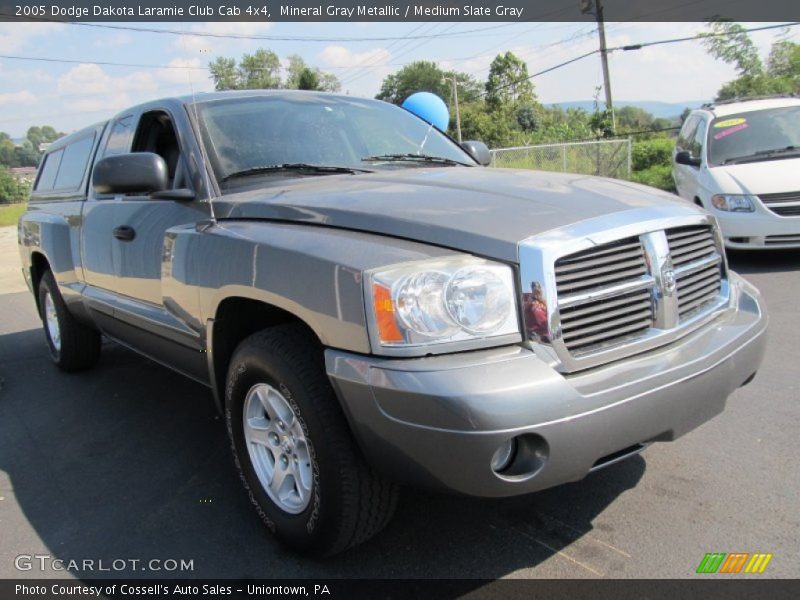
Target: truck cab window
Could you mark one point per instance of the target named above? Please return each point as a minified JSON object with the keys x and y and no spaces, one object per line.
{"x":73,"y":164}
{"x":119,"y":140}
{"x":48,"y":171}
{"x":156,"y":134}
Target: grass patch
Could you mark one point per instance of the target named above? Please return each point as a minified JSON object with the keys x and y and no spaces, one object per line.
{"x":10,"y":213}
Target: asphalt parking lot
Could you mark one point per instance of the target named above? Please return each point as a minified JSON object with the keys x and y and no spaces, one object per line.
{"x":128,"y":462}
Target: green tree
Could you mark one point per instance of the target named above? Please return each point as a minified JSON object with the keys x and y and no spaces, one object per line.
{"x":633,"y":118}
{"x":27,"y":155}
{"x":427,"y":76}
{"x":40,"y":135}
{"x":11,"y":190}
{"x":329,"y":82}
{"x":300,"y":76}
{"x":260,"y":70}
{"x":477,"y":123}
{"x":526,"y":118}
{"x":784,"y":59}
{"x":308,"y":80}
{"x":8,"y":155}
{"x":295,"y":67}
{"x":734,"y":47}
{"x":508,"y":82}
{"x":419,"y":76}
{"x":469,"y":88}
{"x":224,"y":74}
{"x":781,"y":74}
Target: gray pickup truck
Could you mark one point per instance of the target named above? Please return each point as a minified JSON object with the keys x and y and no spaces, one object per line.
{"x":370,"y":306}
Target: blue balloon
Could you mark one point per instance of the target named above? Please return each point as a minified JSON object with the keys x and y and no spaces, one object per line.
{"x":429,"y":107}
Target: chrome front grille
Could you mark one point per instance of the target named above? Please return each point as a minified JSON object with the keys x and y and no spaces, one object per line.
{"x":609,"y":320}
{"x":785,"y":205}
{"x":595,"y":303}
{"x":616,"y":286}
{"x":698,"y":268}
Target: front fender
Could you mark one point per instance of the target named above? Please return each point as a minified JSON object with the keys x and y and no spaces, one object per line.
{"x":312,"y":272}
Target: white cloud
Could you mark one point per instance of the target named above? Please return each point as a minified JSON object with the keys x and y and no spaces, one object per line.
{"x":120,"y":38}
{"x":213,"y":46}
{"x":341,"y":57}
{"x":87,"y":87}
{"x":14,"y":36}
{"x":189,"y":71}
{"x":23,"y":97}
{"x":359,"y":72}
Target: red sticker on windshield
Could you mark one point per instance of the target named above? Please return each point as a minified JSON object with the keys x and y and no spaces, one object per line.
{"x":729,"y":131}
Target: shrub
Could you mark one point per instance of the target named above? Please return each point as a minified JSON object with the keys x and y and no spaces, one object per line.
{"x":11,"y":190}
{"x":651,"y":153}
{"x":659,"y":176}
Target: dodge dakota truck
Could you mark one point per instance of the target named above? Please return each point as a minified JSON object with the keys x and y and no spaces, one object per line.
{"x":371,"y":306}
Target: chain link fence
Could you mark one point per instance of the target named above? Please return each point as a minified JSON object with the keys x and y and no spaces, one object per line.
{"x":607,"y":158}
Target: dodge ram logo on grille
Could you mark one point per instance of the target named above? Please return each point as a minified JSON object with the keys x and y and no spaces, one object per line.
{"x":668,"y":279}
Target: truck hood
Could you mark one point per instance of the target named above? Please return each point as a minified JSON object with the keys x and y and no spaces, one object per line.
{"x":765,"y":177}
{"x":477,"y":210}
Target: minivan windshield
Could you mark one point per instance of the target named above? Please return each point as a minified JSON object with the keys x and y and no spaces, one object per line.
{"x":293,"y":134}
{"x":752,"y":136}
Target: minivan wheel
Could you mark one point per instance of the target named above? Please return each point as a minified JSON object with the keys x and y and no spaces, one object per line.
{"x":293,"y":448}
{"x":73,"y":346}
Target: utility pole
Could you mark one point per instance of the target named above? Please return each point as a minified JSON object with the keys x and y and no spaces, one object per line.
{"x":458,"y":112}
{"x":594,"y":7}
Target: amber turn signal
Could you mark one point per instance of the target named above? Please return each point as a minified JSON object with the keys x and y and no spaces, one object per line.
{"x":384,"y":315}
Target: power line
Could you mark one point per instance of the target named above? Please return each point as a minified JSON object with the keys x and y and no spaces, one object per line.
{"x":645,"y":45}
{"x":98,"y":62}
{"x":373,"y":59}
{"x":537,"y":74}
{"x":701,"y":36}
{"x":406,"y":49}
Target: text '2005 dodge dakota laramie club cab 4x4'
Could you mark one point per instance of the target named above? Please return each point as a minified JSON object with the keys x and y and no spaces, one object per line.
{"x":370,"y":306}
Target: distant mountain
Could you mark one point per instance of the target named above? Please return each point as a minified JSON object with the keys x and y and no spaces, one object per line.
{"x":654,"y":107}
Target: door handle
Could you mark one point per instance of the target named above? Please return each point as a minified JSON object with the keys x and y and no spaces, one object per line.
{"x":126,"y":233}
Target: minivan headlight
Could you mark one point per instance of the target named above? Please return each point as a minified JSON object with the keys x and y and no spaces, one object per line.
{"x":734,"y":202}
{"x":441,"y":301}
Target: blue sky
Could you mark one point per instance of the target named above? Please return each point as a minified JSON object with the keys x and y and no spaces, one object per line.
{"x":70,"y":96}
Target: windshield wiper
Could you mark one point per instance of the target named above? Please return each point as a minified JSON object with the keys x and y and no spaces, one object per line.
{"x":311,"y":169}
{"x":763,"y":154}
{"x":409,"y":157}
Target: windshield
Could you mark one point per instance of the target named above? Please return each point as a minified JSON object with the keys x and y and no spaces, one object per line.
{"x":748,"y":133}
{"x":247,"y":134}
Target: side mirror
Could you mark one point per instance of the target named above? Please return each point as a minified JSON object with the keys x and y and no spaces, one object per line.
{"x":136,"y":173}
{"x":479,"y":152}
{"x":685,"y":158}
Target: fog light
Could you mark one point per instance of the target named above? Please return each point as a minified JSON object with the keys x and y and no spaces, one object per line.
{"x":504,"y":455}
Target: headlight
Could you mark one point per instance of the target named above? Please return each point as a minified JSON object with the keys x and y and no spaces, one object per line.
{"x":441,"y":301}
{"x":734,"y":202}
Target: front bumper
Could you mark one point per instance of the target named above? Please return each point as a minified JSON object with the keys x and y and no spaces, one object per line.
{"x":436,"y":422}
{"x":759,"y":230}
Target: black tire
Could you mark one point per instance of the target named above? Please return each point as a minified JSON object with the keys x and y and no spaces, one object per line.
{"x":80,"y":344}
{"x":349,"y":503}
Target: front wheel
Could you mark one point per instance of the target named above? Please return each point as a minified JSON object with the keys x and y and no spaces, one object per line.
{"x":73,"y":346}
{"x":293,"y":449}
